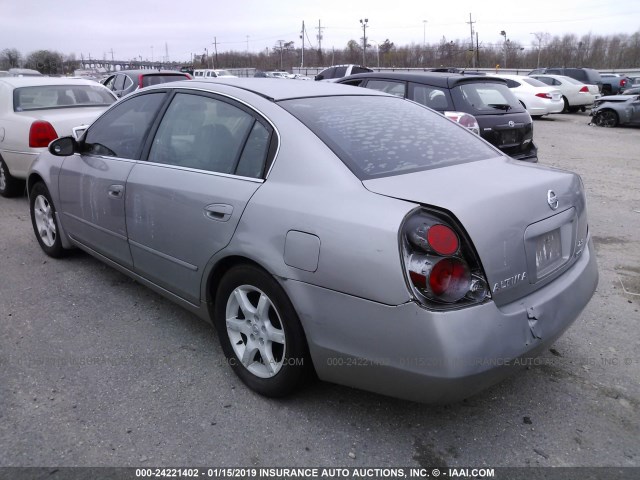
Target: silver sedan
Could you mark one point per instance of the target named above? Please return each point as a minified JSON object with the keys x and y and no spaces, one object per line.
{"x":326,"y":229}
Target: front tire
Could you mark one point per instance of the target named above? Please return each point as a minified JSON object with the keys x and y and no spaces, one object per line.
{"x":608,"y":119}
{"x":44,"y":221}
{"x":260,"y":332}
{"x":10,"y":186}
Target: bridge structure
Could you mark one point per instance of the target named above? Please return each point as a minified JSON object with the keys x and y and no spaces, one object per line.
{"x":113,"y":65}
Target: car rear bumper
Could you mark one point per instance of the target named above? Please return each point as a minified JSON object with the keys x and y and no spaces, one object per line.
{"x":408,"y":352}
{"x":19,"y":162}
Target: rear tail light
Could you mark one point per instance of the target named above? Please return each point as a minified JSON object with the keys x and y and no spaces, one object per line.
{"x":441,"y":266}
{"x":623,"y":82}
{"x":585,"y":89}
{"x":41,"y":134}
{"x":544,"y":95}
{"x":464,"y":119}
{"x":140,"y":81}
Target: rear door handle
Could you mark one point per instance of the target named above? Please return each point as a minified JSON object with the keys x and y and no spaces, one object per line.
{"x":218,"y":211}
{"x":115,"y":191}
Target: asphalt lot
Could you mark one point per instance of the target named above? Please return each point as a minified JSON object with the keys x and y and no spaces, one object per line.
{"x":96,"y":370}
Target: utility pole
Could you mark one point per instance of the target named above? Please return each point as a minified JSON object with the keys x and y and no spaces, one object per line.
{"x":504,"y":34}
{"x":215,"y":47}
{"x":302,"y":37}
{"x":364,"y":40}
{"x":473,"y":57}
{"x":319,"y":36}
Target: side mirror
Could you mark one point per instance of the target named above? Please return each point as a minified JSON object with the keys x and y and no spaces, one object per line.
{"x":63,"y":147}
{"x":319,"y":77}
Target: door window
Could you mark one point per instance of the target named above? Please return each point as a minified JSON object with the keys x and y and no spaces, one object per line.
{"x":208,"y":134}
{"x":118,"y":84}
{"x":388,"y":86}
{"x":121,"y":131}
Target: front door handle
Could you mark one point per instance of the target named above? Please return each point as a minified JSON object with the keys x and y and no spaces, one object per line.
{"x":218,"y":211}
{"x":115,"y":191}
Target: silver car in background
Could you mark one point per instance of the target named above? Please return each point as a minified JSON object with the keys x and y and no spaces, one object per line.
{"x":326,"y":229}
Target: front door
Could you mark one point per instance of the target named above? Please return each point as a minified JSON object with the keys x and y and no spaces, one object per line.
{"x":92,"y":184}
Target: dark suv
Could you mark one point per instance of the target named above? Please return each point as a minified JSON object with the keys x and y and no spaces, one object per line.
{"x":501,"y":119}
{"x":126,"y":81}
{"x":585,"y":75}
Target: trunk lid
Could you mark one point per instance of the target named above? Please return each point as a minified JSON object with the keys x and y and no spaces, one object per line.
{"x":504,"y":206}
{"x":64,"y":119}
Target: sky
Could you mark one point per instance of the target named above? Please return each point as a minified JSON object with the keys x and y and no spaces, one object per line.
{"x":153,"y":30}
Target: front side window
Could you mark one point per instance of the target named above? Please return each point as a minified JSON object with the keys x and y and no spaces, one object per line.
{"x":208,"y":134}
{"x":60,"y":96}
{"x":122,"y":130}
{"x":377,"y":136}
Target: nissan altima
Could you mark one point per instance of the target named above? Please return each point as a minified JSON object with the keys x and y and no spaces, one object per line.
{"x":326,"y":230}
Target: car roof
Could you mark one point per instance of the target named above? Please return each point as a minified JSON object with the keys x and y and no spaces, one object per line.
{"x":272,"y":88}
{"x":437,"y":79}
{"x":16,"y":82}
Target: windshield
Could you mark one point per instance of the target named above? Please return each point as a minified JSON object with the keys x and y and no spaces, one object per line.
{"x":60,"y":96}
{"x":487,"y":98}
{"x":379,"y":136}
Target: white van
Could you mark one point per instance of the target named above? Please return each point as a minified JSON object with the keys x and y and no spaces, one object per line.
{"x":212,"y":73}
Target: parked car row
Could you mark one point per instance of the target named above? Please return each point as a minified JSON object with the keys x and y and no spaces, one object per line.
{"x":331,"y":230}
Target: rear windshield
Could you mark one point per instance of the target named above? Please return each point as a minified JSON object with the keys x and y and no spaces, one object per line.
{"x":534,"y":82}
{"x":486,"y":98}
{"x":60,"y":96}
{"x":379,"y":136}
{"x":157,"y":79}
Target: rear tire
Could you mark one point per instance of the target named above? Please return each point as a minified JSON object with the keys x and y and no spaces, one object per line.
{"x":567,"y":107}
{"x":10,"y":186}
{"x":260,"y":332}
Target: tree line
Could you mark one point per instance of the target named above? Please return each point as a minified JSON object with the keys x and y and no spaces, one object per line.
{"x":611,"y":52}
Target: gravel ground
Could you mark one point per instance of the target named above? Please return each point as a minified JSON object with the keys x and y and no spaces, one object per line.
{"x":96,"y":370}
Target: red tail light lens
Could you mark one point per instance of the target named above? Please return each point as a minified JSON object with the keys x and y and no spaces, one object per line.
{"x":464,"y":119}
{"x":442,"y":268}
{"x":544,"y":95}
{"x":41,"y":134}
{"x":623,"y":82}
{"x":585,"y":89}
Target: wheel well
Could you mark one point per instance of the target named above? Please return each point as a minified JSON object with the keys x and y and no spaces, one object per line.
{"x":32,"y":180}
{"x":222,"y":267}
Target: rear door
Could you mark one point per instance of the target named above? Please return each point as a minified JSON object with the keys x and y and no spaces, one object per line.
{"x":205,"y":162}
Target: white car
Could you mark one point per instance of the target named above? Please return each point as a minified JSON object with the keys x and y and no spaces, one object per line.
{"x":536,"y":97}
{"x":575,"y":94}
{"x":212,"y":73}
{"x":36,"y":110}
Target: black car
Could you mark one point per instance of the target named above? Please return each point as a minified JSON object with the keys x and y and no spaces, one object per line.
{"x":584,"y":75}
{"x":339,"y":71}
{"x":485,"y":104}
{"x":127,"y":81}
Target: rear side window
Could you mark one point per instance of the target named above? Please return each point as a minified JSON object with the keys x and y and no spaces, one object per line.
{"x":533,"y":82}
{"x":432,"y":97}
{"x":378,"y":136}
{"x":355,"y":70}
{"x":208,"y":134}
{"x":340,"y":72}
{"x":388,"y":86}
